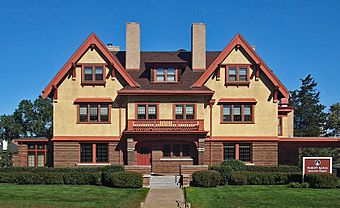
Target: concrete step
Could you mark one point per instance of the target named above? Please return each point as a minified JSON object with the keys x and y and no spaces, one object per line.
{"x":164,"y":181}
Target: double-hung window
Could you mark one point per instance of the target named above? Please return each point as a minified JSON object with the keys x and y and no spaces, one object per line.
{"x":93,"y":74}
{"x":36,"y":155}
{"x":165,"y":74}
{"x":237,"y":113}
{"x":147,"y":111}
{"x":237,"y":74}
{"x":94,"y":113}
{"x":185,"y":111}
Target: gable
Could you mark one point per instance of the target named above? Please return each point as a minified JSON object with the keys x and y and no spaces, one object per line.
{"x":92,"y":42}
{"x":239,"y":41}
{"x":235,"y":57}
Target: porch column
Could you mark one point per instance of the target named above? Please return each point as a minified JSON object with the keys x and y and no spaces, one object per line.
{"x":131,"y":154}
{"x":200,"y":150}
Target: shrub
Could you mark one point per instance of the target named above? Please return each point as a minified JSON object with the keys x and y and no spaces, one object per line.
{"x":7,"y":177}
{"x":294,"y":185}
{"x":236,"y":165}
{"x":82,"y":178}
{"x":263,"y":178}
{"x":123,"y":179}
{"x":321,"y":181}
{"x":109,"y":168}
{"x":304,"y":185}
{"x":207,"y":178}
{"x":225,"y":172}
{"x":280,"y":168}
{"x":238,"y":178}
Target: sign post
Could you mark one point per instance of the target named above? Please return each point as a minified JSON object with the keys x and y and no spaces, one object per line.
{"x":316,"y":165}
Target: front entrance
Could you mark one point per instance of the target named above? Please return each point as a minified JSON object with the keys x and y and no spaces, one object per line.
{"x":144,"y":154}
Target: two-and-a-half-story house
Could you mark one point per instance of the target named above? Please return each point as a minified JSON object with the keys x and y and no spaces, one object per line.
{"x":160,"y":111}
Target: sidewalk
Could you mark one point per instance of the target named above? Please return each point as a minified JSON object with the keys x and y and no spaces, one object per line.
{"x":164,"y":198}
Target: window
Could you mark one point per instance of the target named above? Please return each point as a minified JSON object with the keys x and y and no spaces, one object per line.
{"x":168,"y":74}
{"x":244,"y":150}
{"x":94,"y":153}
{"x":36,"y":156}
{"x":185,"y":150}
{"x":279,"y":126}
{"x":94,"y":113}
{"x":85,"y":153}
{"x":176,"y":150}
{"x":166,"y":150}
{"x":237,"y":113}
{"x":229,"y":152}
{"x":93,"y":74}
{"x":147,"y":111}
{"x":237,"y":74}
{"x":185,"y":111}
{"x":102,"y":153}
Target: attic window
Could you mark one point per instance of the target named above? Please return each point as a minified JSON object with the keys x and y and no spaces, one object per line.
{"x":237,"y":74}
{"x":165,"y":74}
{"x":93,"y":74}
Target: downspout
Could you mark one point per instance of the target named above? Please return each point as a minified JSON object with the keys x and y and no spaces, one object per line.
{"x":211,"y":103}
{"x":120,"y":133}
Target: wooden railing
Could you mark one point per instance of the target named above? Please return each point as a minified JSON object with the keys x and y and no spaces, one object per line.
{"x":165,"y":125}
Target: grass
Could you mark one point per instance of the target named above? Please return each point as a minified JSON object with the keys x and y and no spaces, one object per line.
{"x":12,"y":195}
{"x":262,"y":196}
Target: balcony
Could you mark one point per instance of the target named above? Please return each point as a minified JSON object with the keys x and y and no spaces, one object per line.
{"x":165,"y":125}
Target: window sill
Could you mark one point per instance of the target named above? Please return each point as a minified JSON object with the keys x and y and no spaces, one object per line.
{"x":93,"y":164}
{"x":164,"y":82}
{"x":93,"y":82}
{"x":176,"y":159}
{"x":237,"y":83}
{"x":250,"y":122}
{"x":93,"y":122}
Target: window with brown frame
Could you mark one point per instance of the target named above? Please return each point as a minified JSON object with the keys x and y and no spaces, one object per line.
{"x":165,"y":74}
{"x":245,"y":152}
{"x":237,"y":113}
{"x":36,"y":155}
{"x":94,"y":113}
{"x":176,"y":150}
{"x":94,"y":153}
{"x":93,"y":74}
{"x":237,"y":74}
{"x":147,"y":111}
{"x":185,"y":111}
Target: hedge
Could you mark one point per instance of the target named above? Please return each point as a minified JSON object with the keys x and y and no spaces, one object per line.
{"x":109,"y":168}
{"x":122,"y":179}
{"x":75,"y":178}
{"x":225,"y":172}
{"x":237,"y":165}
{"x":321,"y":181}
{"x":263,"y":178}
{"x":208,"y":178}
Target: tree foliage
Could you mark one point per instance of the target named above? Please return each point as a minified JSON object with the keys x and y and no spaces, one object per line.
{"x":309,"y":117}
{"x":333,"y":120}
{"x":30,"y":119}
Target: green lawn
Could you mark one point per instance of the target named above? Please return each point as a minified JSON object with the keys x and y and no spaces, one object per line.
{"x":262,"y":196}
{"x":12,"y":195}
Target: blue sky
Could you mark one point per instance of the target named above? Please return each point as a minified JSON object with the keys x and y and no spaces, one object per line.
{"x":293,"y":37}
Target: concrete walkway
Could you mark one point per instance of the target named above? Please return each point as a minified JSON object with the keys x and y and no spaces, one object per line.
{"x":164,"y":198}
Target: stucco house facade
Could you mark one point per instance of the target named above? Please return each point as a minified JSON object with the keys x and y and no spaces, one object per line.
{"x":158,"y":112}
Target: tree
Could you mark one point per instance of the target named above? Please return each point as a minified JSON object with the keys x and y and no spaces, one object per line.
{"x":333,"y":120}
{"x":309,"y":118}
{"x":30,"y":119}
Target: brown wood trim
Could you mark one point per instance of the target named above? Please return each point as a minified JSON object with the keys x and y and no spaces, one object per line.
{"x":93,"y":81}
{"x":93,"y":100}
{"x":237,"y":100}
{"x":242,"y":114}
{"x":237,"y":82}
{"x":86,"y":138}
{"x":98,"y":113}
{"x":243,"y":138}
{"x":165,"y":92}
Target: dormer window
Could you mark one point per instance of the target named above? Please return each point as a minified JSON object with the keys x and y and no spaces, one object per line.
{"x":237,"y":74}
{"x":165,"y":74}
{"x":93,"y":74}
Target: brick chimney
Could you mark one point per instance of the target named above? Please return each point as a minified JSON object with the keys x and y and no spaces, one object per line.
{"x":198,"y":46}
{"x":132,"y":57}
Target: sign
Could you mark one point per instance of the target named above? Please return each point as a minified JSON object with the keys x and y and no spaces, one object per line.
{"x":317,"y":165}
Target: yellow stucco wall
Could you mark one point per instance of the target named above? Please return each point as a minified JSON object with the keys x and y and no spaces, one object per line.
{"x":65,"y":111}
{"x":266,"y":112}
{"x":288,"y":125}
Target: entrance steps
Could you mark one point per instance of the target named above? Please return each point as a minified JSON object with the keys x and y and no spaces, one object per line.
{"x":160,"y":181}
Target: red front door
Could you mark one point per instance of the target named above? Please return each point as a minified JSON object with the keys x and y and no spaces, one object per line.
{"x":143,"y":154}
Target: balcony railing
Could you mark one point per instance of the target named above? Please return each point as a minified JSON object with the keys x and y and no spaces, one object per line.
{"x":165,"y":125}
